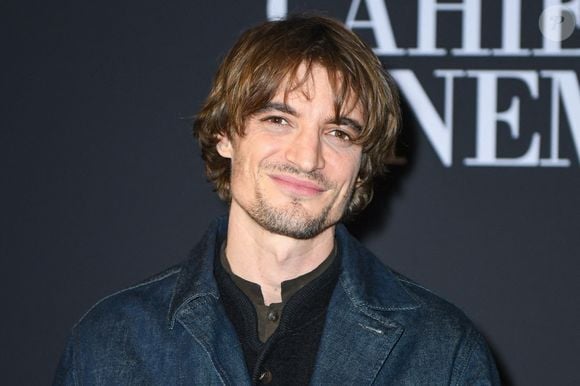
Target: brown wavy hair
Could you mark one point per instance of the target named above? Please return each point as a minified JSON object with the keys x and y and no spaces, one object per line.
{"x":266,"y":56}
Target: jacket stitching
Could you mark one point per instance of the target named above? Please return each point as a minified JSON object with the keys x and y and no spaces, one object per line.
{"x":470,"y":348}
{"x":142,"y":284}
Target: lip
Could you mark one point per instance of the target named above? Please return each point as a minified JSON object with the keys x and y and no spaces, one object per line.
{"x":297,"y":186}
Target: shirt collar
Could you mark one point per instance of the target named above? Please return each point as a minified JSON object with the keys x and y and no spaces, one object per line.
{"x":288,"y":287}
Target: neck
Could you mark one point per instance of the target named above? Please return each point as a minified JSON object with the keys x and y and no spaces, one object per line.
{"x":268,"y":259}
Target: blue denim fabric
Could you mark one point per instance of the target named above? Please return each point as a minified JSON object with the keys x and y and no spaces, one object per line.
{"x":172,"y":330}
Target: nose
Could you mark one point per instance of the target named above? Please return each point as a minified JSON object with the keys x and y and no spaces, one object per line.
{"x":305,"y":150}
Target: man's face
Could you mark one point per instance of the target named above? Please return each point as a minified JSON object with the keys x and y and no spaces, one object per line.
{"x":294,"y":170}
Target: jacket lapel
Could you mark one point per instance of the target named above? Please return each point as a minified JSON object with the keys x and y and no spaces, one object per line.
{"x":196,"y":306}
{"x":206,"y":321}
{"x":354,"y":346}
{"x":358,"y":334}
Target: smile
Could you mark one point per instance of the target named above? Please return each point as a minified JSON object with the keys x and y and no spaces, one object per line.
{"x":297,"y":187}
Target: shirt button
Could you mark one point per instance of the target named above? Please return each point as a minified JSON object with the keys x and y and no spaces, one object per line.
{"x":272,"y":316}
{"x":265,"y":376}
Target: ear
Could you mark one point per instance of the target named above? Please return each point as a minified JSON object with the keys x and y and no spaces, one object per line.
{"x":224,"y":146}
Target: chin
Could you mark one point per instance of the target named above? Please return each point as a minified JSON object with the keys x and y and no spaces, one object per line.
{"x":292,"y":220}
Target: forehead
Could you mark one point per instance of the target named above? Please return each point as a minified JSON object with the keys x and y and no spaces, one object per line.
{"x":313,"y":80}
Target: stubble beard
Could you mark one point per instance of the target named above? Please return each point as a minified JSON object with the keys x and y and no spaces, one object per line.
{"x":291,"y":220}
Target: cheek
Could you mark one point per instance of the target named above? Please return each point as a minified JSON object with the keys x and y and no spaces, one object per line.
{"x":242,"y":171}
{"x":263,"y":152}
{"x":347,"y":168}
{"x":249,"y":158}
{"x":239,"y":167}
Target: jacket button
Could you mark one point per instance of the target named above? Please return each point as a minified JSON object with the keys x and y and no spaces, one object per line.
{"x":272,"y":316}
{"x":265,"y":376}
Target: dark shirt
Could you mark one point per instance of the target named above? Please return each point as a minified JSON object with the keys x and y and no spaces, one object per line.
{"x":268,"y":316}
{"x":288,"y":356}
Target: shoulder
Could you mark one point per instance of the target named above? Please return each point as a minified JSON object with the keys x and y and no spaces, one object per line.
{"x":440,"y":328}
{"x":107,"y":337}
{"x":373,"y":285}
{"x":443,"y":334}
{"x":431,"y":306}
{"x":436,"y":338}
{"x":147,"y":300}
{"x":431,"y":323}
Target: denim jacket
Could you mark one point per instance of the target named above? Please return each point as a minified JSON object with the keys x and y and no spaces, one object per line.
{"x":172,"y":329}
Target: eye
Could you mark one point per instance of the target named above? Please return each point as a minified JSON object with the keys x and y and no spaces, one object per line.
{"x":340,"y":135}
{"x":276,"y":120}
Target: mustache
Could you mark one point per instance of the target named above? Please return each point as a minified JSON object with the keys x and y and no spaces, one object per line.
{"x":315,"y":176}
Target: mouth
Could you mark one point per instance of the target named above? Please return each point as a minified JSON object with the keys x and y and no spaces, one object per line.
{"x":297,"y":187}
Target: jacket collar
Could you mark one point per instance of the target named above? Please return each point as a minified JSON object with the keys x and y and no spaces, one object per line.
{"x":367,"y":282}
{"x":361,"y":275}
{"x":196,"y":277}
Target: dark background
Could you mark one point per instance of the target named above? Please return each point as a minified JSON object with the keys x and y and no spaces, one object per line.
{"x":102,"y":184}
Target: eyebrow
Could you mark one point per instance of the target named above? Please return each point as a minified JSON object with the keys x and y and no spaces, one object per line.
{"x":284,"y":108}
{"x":346,"y":121}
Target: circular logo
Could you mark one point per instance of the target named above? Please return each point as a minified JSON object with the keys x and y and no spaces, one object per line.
{"x":557,"y":23}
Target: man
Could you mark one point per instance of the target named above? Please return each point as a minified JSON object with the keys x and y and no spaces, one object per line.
{"x":300,"y":119}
